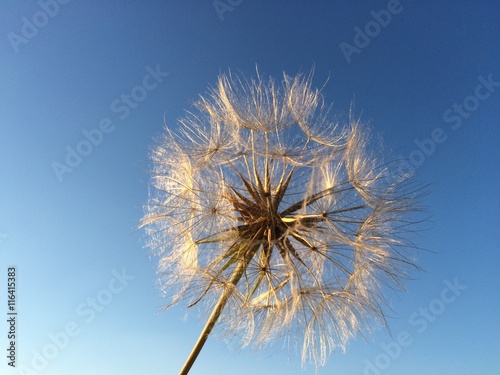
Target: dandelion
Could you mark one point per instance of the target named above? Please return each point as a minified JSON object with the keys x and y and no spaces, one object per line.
{"x":277,"y":218}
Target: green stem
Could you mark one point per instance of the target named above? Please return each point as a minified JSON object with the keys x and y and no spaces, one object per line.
{"x":237,"y":274}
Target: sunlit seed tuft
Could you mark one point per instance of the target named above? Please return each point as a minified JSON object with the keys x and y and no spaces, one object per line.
{"x":261,"y":198}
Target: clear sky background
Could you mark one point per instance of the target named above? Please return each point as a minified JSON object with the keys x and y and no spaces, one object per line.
{"x":63,"y":71}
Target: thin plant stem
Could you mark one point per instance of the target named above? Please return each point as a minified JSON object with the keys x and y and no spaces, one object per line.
{"x":212,"y":320}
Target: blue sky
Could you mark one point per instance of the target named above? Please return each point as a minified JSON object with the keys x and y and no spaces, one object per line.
{"x":86,"y":296}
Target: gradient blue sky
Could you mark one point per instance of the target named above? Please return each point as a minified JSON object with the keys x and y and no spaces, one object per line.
{"x":66,"y":237}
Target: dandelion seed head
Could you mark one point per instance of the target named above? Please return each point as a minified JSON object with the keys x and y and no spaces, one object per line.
{"x":258,"y":176}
